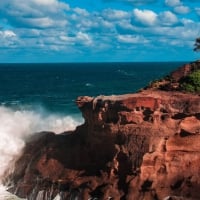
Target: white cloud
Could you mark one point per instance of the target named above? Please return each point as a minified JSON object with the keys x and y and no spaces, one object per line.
{"x":64,"y":40}
{"x":107,"y":24}
{"x":150,"y":18}
{"x":168,"y":18}
{"x":172,"y":3}
{"x":131,"y":39}
{"x":22,"y":13}
{"x":185,"y":21}
{"x":8,"y":39}
{"x":171,"y":42}
{"x":43,"y":22}
{"x":182,"y":33}
{"x":50,"y":5}
{"x":67,"y":39}
{"x":112,"y":14}
{"x":8,"y":34}
{"x":45,"y":2}
{"x":125,"y":27}
{"x":52,"y":25}
{"x":182,"y":9}
{"x":146,"y":17}
{"x":81,"y":11}
{"x":84,"y":38}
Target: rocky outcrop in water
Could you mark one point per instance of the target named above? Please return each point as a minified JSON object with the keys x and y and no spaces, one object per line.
{"x":142,"y":146}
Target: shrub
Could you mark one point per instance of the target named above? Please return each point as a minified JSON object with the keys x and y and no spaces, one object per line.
{"x":191,"y":83}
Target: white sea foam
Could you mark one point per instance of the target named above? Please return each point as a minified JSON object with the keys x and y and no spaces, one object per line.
{"x":17,"y":125}
{"x":4,"y":195}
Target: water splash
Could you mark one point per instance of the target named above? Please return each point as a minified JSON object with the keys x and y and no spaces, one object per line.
{"x":17,"y":125}
{"x":4,"y":195}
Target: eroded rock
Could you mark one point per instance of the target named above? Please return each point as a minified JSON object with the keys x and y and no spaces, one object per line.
{"x":142,"y":146}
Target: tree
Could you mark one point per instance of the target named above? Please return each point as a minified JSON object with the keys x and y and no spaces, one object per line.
{"x":197,"y":44}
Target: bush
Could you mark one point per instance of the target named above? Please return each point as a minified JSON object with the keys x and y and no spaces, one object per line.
{"x":191,"y":83}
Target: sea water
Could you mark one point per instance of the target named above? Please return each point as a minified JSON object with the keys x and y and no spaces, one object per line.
{"x":41,"y":97}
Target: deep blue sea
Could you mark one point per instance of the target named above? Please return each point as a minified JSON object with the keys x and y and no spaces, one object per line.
{"x":41,"y":97}
{"x":55,"y":87}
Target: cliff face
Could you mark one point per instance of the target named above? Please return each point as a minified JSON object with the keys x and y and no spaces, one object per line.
{"x":135,"y":147}
{"x":156,"y":137}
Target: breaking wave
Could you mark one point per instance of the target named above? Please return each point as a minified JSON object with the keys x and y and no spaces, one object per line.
{"x":17,"y":125}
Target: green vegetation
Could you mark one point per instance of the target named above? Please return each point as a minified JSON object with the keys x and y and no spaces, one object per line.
{"x":191,"y":83}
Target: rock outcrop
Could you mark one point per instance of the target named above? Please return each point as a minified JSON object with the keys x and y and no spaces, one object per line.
{"x":174,"y":81}
{"x":142,"y":146}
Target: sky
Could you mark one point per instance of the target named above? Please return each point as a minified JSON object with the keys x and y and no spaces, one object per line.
{"x":98,"y":30}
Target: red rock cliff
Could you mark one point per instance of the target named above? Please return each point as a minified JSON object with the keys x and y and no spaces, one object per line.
{"x":156,"y":137}
{"x":142,"y":146}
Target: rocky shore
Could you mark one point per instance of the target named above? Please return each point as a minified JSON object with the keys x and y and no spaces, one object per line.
{"x":142,"y":146}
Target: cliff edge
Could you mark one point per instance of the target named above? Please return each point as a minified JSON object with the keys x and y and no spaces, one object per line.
{"x":142,"y":146}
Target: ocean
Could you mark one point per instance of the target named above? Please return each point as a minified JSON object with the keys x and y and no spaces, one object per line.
{"x":41,"y":97}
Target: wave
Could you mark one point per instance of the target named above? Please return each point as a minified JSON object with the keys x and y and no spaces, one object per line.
{"x":17,"y":125}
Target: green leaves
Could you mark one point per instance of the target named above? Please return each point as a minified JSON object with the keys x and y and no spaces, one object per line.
{"x":191,"y":83}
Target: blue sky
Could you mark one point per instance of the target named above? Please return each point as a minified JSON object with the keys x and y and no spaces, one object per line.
{"x":98,"y":30}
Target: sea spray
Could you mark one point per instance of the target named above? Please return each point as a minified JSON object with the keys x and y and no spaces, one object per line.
{"x":17,"y":125}
{"x":4,"y":195}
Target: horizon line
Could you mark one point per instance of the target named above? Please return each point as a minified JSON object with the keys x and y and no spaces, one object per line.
{"x":98,"y":62}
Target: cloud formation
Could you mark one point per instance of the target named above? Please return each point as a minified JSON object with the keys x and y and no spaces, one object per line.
{"x":150,"y":18}
{"x":8,"y":39}
{"x":34,"y":13}
{"x":146,"y":17}
{"x":182,"y":9}
{"x":172,"y":2}
{"x":55,"y":26}
{"x":132,"y":39}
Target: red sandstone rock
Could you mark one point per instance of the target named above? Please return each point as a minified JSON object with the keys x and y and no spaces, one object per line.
{"x":142,"y":146}
{"x":181,"y":72}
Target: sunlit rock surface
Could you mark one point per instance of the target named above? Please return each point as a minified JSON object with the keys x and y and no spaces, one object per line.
{"x":143,"y":146}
